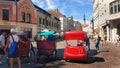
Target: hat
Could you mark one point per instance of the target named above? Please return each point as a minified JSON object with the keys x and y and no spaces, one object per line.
{"x":12,"y":30}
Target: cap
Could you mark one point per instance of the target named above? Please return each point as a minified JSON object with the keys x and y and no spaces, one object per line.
{"x":12,"y":30}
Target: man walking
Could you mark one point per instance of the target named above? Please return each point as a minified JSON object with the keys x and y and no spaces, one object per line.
{"x":2,"y":45}
{"x":97,"y":41}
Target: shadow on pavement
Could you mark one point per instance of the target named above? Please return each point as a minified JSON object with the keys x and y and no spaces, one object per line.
{"x":91,"y":58}
{"x":59,"y":60}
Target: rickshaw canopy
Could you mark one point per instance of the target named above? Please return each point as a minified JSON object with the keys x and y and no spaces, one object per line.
{"x":45,"y":33}
{"x":75,"y":35}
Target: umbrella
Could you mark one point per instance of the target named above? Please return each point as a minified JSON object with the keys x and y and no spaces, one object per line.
{"x":45,"y":33}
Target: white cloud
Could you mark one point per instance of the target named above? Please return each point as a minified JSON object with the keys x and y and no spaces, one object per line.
{"x":83,"y":2}
{"x":82,"y":21}
{"x":51,"y":4}
{"x":39,"y":3}
{"x":66,"y":8}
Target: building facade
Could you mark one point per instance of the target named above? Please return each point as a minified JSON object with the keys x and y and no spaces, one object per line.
{"x":18,"y":15}
{"x":106,"y":16}
{"x":70,"y":24}
{"x":47,"y":21}
{"x":63,"y":19}
{"x":64,"y":23}
{"x":101,"y":17}
{"x":77,"y":25}
{"x":114,"y":18}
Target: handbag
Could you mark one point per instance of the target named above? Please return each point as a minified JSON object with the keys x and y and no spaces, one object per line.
{"x":13,"y":46}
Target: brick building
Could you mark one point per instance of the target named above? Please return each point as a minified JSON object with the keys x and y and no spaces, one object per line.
{"x":20,"y":15}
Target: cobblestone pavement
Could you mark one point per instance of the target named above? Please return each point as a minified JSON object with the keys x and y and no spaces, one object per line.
{"x":107,"y":58}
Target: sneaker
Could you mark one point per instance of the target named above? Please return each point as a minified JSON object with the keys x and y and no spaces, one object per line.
{"x":98,"y":51}
{"x":1,"y":62}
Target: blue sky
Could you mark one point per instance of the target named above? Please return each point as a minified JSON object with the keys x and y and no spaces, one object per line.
{"x":75,"y":8}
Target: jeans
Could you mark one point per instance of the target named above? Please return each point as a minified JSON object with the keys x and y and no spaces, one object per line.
{"x":97,"y":46}
{"x":88,"y":45}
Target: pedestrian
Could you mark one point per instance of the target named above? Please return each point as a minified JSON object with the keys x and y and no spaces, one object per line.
{"x":2,"y":45}
{"x":102,"y":39}
{"x":97,"y":41}
{"x":87,"y":40}
{"x":36,"y":38}
{"x":105,"y":39}
{"x":13,"y":37}
{"x":117,"y":39}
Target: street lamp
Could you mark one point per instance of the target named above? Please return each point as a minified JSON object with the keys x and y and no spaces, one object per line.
{"x":92,"y":21}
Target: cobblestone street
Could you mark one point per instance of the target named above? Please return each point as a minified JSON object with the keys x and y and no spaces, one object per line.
{"x":107,"y":58}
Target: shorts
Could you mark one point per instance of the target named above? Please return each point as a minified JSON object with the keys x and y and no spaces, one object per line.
{"x":15,"y":54}
{"x":2,"y":51}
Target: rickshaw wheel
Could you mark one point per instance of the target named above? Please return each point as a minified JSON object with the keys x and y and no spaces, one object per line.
{"x":67,"y":60}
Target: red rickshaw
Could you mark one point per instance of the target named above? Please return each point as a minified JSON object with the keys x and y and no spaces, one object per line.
{"x":75,"y":52}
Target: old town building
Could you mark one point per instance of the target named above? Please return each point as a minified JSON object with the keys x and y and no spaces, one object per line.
{"x":18,"y":14}
{"x":46,"y":21}
{"x":26,"y":17}
{"x":106,"y":17}
{"x":77,"y":25}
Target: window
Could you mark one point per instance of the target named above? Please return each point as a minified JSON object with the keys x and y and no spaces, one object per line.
{"x":5,"y":14}
{"x":43,"y":22}
{"x":23,"y":17}
{"x":46,"y":22}
{"x":39,"y":20}
{"x":28,"y":18}
{"x":119,"y":6}
{"x":111,"y":9}
{"x":115,"y":8}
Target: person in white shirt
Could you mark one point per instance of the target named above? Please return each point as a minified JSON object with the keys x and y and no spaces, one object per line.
{"x":2,"y":45}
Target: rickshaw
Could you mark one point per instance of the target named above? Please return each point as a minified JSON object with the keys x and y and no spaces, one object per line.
{"x":75,"y":52}
{"x":46,"y":48}
{"x":26,"y":50}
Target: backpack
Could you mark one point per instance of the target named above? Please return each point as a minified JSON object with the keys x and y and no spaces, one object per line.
{"x":13,"y":46}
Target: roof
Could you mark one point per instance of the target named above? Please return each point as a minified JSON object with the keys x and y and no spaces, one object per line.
{"x":40,"y":9}
{"x":85,"y":25}
{"x":55,"y":13}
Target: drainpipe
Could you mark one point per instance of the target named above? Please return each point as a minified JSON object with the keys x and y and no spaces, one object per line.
{"x":16,"y":15}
